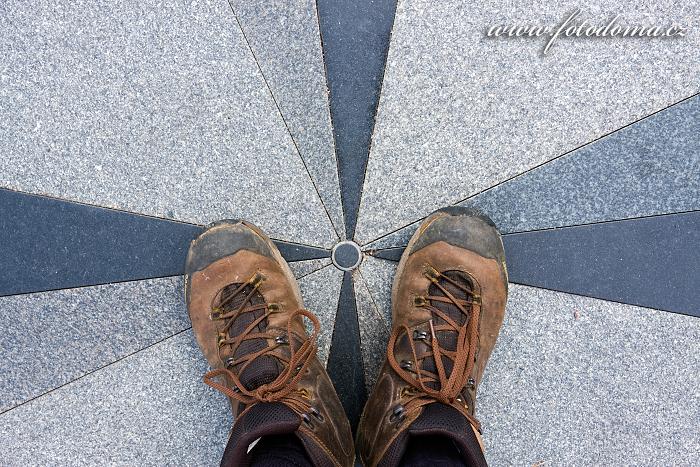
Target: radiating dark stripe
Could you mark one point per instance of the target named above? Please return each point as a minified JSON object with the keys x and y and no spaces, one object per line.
{"x":345,"y":359}
{"x":648,"y":167}
{"x":298,"y":252}
{"x":392,"y":254}
{"x":48,"y":244}
{"x":52,"y":244}
{"x":355,"y":38}
{"x":652,"y":262}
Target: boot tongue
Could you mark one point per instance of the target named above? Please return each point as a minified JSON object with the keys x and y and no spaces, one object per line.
{"x":264,"y":369}
{"x":447,"y":339}
{"x":438,"y":420}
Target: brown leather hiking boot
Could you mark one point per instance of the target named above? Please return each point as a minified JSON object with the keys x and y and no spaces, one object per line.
{"x":247,"y":315}
{"x":448,"y":303}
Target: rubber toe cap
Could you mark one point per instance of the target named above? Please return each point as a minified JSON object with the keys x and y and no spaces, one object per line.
{"x":463,"y":227}
{"x":225,"y":238}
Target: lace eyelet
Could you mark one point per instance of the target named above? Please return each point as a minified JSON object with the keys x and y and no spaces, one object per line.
{"x":230,"y":362}
{"x":281,"y":339}
{"x":462,"y":401}
{"x":220,"y":338}
{"x":317,"y":414}
{"x":406,"y":364}
{"x":398,"y":414}
{"x":471,"y":384}
{"x":431,"y":273}
{"x":420,"y":301}
{"x":307,"y":420}
{"x":257,"y":279}
{"x":420,"y":335}
{"x":214,"y":314}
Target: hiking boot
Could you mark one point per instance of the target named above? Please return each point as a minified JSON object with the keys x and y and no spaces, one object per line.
{"x":247,"y":315}
{"x":448,"y":304}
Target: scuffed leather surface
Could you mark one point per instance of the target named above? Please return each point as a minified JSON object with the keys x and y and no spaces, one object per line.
{"x":376,"y":432}
{"x":333,"y":435}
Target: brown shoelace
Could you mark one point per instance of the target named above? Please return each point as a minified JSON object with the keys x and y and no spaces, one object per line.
{"x":284,"y":387}
{"x":421,"y":381}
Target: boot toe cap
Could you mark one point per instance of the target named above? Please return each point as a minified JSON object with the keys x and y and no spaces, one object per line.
{"x":225,"y":238}
{"x":463,"y":227}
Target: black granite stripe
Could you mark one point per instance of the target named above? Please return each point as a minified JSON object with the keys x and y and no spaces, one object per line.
{"x":392,"y":254}
{"x":652,"y":262}
{"x":345,"y":359}
{"x":48,"y":244}
{"x":299,"y":252}
{"x":355,"y":39}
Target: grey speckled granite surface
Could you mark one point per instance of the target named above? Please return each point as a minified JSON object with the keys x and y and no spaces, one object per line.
{"x":52,"y":338}
{"x":580,"y":381}
{"x":394,"y":239}
{"x":321,"y":290}
{"x":151,"y":408}
{"x":378,"y":274}
{"x":460,"y":112}
{"x":303,"y":268}
{"x":374,"y":332}
{"x":158,"y":109}
{"x":286,"y":42}
{"x":573,"y":381}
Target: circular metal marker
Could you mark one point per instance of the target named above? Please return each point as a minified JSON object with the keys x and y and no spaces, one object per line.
{"x":346,"y":255}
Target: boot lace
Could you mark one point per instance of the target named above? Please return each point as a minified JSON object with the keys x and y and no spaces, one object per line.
{"x":284,"y":387}
{"x":426,"y":387}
